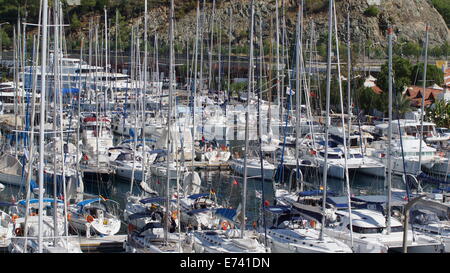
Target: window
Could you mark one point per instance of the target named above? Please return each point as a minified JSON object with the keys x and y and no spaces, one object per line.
{"x":363,"y":230}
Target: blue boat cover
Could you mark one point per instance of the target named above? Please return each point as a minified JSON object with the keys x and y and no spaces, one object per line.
{"x":157,"y":200}
{"x":278,"y":209}
{"x":35,"y":201}
{"x":138,"y":140}
{"x":338,"y":201}
{"x":5,"y":204}
{"x":227,"y":213}
{"x":70,"y":90}
{"x":140,"y":215}
{"x":89,"y":201}
{"x":195,"y":196}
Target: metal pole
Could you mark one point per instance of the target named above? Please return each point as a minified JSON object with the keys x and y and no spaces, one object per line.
{"x":422,"y":108}
{"x":327,"y":122}
{"x":249,"y":90}
{"x":42,"y":121}
{"x":389,"y":171}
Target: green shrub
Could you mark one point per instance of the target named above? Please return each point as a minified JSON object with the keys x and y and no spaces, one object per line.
{"x":372,"y":11}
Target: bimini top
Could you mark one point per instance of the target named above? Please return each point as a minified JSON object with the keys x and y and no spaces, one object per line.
{"x":338,"y":201}
{"x":35,"y":201}
{"x":89,"y":201}
{"x":278,"y":209}
{"x":157,"y":200}
{"x":229,"y":214}
{"x":137,"y":140}
{"x":314,"y":193}
{"x":195,"y":196}
{"x":375,"y":199}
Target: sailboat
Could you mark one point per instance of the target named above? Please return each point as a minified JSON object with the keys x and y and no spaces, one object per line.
{"x":95,"y":216}
{"x":158,"y":235}
{"x":230,"y":239}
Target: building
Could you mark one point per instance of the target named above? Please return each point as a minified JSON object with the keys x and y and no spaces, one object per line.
{"x":415,"y":93}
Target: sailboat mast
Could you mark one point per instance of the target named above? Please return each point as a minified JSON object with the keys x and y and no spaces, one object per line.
{"x":389,"y":170}
{"x":278,"y":60}
{"x":249,"y":89}
{"x":327,"y":120}
{"x":422,"y":108}
{"x":194,"y":91}
{"x":349,"y":77}
{"x":171,"y":81}
{"x":42,"y":122}
{"x":298,"y":93}
{"x":261,"y":159}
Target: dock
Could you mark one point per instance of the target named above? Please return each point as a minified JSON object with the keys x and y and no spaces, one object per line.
{"x":105,"y":244}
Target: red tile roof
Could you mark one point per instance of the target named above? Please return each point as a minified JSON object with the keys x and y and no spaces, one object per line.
{"x":376,"y":89}
{"x":414,"y":93}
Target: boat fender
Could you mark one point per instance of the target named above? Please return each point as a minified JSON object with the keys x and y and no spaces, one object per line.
{"x":18,"y":231}
{"x":90,"y":219}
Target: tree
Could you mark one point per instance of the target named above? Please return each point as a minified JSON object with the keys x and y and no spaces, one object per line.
{"x":75,"y":22}
{"x":434,"y":75}
{"x":439,"y":113}
{"x":401,"y":105}
{"x":402,"y":69}
{"x":443,"y":7}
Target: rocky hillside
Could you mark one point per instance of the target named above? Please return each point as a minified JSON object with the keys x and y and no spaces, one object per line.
{"x":408,"y":17}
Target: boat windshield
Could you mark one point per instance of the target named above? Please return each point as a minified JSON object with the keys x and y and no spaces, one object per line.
{"x":366,"y":230}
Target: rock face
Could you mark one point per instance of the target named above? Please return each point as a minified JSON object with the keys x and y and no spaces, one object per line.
{"x":408,"y":17}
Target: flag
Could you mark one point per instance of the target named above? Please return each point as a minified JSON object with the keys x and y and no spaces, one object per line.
{"x":235,"y":182}
{"x":212,"y":191}
{"x":266,"y":203}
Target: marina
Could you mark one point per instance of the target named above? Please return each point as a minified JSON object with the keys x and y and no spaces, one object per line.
{"x":172,"y":150}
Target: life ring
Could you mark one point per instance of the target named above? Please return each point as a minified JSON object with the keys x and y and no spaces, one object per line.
{"x":225,"y":225}
{"x":90,"y":219}
{"x":312,"y":223}
{"x":18,"y":231}
{"x":209,"y":149}
{"x":14,"y":217}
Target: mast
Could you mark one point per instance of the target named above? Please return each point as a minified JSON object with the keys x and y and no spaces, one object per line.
{"x":249,"y":90}
{"x":298,"y":92}
{"x":171,"y":79}
{"x":349,"y":101}
{"x":343,"y":129}
{"x":194,"y":90}
{"x":389,"y":171}
{"x":327,"y":120}
{"x":280,"y":106}
{"x":422,"y":108}
{"x":227,"y":97}
{"x":42,"y":121}
{"x":261,"y":159}
{"x":211,"y":47}
{"x":144,"y":156}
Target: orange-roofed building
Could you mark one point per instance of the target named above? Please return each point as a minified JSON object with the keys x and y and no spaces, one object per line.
{"x":415,"y":93}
